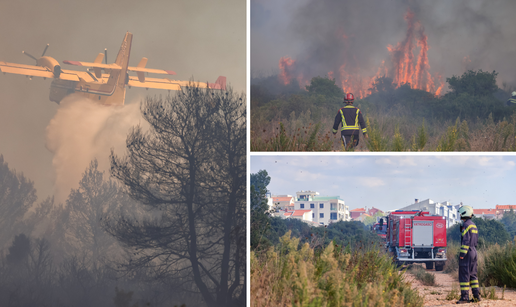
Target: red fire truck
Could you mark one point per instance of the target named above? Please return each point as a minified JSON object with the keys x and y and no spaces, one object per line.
{"x":416,"y":236}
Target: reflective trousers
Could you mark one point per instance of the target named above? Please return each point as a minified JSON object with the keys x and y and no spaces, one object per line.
{"x":468,"y":274}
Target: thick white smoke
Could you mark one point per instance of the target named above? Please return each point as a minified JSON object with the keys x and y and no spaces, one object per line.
{"x":83,"y":130}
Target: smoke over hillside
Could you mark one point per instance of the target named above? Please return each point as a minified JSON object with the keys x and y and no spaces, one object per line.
{"x":83,"y":130}
{"x":416,"y":42}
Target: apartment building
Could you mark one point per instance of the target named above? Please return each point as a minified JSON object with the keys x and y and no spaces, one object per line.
{"x":325,"y":209}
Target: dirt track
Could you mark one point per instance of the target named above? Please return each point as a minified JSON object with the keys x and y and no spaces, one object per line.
{"x":436,"y":295}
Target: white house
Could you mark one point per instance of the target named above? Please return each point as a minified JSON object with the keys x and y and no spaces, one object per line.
{"x":444,"y":209}
{"x":283,"y":202}
{"x":325,"y":209}
{"x":304,"y":215}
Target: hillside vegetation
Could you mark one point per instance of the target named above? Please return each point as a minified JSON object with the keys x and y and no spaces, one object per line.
{"x":472,"y":116}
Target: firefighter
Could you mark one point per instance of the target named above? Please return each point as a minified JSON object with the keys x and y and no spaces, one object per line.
{"x":512,"y":100}
{"x":351,"y":118}
{"x":468,"y":256}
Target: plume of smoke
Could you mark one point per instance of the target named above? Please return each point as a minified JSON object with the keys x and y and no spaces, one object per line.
{"x":83,"y":130}
{"x":345,"y":39}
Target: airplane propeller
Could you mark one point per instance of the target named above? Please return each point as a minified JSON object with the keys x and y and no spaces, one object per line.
{"x":31,"y":56}
{"x":44,"y":51}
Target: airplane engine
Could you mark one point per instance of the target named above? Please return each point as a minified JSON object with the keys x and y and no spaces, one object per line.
{"x":51,"y":64}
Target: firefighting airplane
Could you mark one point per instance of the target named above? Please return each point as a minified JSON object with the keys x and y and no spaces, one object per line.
{"x":109,"y":87}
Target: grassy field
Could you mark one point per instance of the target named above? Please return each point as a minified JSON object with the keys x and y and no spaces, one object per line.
{"x":286,"y":275}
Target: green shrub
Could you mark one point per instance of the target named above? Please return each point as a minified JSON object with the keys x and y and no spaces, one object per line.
{"x":499,"y":266}
{"x":376,"y":142}
{"x":399,"y":142}
{"x":452,"y":257}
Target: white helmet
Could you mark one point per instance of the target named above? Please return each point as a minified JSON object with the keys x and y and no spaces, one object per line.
{"x":466,"y":211}
{"x":513,"y":93}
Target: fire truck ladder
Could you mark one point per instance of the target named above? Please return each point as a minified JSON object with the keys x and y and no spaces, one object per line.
{"x":408,"y":232}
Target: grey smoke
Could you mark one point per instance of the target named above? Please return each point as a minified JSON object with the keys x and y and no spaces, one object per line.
{"x":308,"y":31}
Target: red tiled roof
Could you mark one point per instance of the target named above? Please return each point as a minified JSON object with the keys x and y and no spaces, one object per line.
{"x":300,"y":212}
{"x":358,"y":210}
{"x":505,"y":207}
{"x":288,"y":213}
{"x":485,"y":211}
{"x":281,"y":198}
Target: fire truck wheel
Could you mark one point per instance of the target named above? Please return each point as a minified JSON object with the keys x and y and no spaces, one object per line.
{"x":429,"y":265}
{"x":439,"y":267}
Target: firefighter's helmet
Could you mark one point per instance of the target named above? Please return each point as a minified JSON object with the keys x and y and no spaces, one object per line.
{"x":513,"y":93}
{"x":466,"y":211}
{"x":349,"y":98}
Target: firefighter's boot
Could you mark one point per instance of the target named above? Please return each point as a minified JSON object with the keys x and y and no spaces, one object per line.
{"x":475,"y":290}
{"x":464,"y":297}
{"x":476,"y":297}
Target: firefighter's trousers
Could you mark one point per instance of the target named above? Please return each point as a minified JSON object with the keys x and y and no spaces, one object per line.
{"x":349,"y":141}
{"x":468,"y":274}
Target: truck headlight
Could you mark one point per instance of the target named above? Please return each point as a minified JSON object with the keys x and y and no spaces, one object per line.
{"x":441,"y":252}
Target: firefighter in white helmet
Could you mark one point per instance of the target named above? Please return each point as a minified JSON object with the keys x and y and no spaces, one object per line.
{"x":468,"y":256}
{"x":512,"y":100}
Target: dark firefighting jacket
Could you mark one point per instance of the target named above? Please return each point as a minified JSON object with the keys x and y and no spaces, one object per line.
{"x":511,"y":101}
{"x":351,"y":118}
{"x":469,"y":237}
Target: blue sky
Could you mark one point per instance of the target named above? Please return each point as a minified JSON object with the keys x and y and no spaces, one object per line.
{"x":394,"y":181}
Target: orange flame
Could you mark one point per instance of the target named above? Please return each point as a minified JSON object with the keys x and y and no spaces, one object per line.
{"x":285,"y":65}
{"x":402,"y":54}
{"x":405,"y":68}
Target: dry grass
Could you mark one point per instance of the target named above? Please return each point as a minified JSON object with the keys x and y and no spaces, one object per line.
{"x":392,"y":132}
{"x":292,"y":276}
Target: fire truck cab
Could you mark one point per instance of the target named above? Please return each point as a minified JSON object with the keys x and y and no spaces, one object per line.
{"x":380,"y":229}
{"x":415,"y":236}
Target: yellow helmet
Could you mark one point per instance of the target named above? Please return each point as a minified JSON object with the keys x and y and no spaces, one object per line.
{"x":466,"y":211}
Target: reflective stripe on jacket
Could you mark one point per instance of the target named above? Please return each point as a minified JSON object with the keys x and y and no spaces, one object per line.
{"x":351,"y":118}
{"x":469,"y":237}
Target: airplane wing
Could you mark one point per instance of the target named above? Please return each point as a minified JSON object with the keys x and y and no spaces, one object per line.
{"x":151,"y":70}
{"x":34,"y":71}
{"x":164,"y":83}
{"x":93,"y":65}
{"x":175,"y":85}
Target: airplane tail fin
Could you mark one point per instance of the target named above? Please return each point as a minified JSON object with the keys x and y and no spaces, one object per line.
{"x":122,"y":59}
{"x":220,"y":83}
{"x":118,"y":78}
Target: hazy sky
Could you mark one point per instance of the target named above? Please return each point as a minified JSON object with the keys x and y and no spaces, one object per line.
{"x":311,"y":31}
{"x":392,"y":182}
{"x":200,"y":39}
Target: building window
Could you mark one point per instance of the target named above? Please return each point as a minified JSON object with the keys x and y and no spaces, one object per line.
{"x":302,"y":206}
{"x":313,"y":215}
{"x":333,"y":216}
{"x":321,"y":205}
{"x":321,"y":215}
{"x":333,"y":206}
{"x":312,"y":206}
